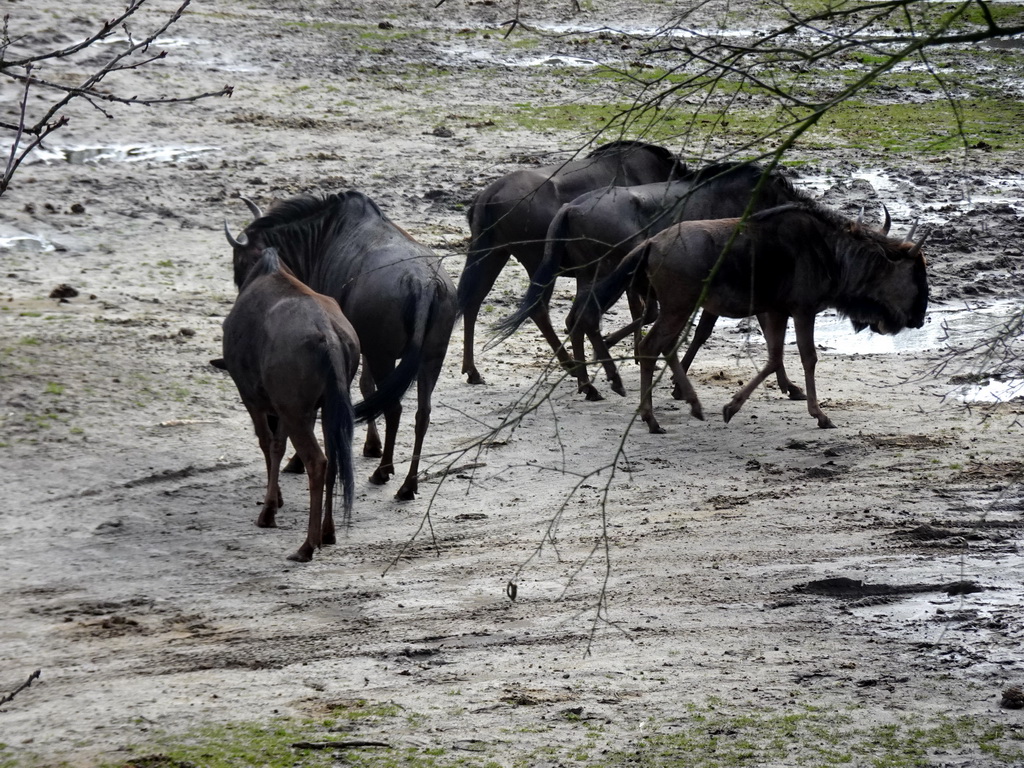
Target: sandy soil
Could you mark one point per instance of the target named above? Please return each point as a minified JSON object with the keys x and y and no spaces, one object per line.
{"x":763,"y":566}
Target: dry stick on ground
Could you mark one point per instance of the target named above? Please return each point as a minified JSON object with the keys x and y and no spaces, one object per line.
{"x":10,"y":697}
{"x":339,"y":744}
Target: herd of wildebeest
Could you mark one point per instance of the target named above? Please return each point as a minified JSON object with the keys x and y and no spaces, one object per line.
{"x":325,"y":281}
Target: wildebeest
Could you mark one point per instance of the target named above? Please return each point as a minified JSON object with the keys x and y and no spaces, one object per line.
{"x":791,"y":261}
{"x":589,"y":236}
{"x":393,"y":290}
{"x":291,"y":351}
{"x":511,"y":217}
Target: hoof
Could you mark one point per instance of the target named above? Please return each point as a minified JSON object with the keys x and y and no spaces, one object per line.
{"x":697,"y":412}
{"x":824,"y":422}
{"x":653,"y":426}
{"x":593,"y":395}
{"x":795,"y":393}
{"x":294,"y":466}
{"x":267,"y":519}
{"x":618,"y":389}
{"x":474,"y":378}
{"x":372,"y":451}
{"x":380,"y":476}
{"x":301,"y":555}
{"x":328,"y":539}
{"x":406,"y":494}
{"x":677,"y":393}
{"x":728,"y":412}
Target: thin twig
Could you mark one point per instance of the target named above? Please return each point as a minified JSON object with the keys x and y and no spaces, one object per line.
{"x":10,"y":697}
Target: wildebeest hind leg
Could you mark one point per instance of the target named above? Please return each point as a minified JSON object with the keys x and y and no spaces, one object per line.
{"x":273,"y":441}
{"x":603,"y":352}
{"x":294,"y":465}
{"x":386,"y":468}
{"x":478,"y":277}
{"x":316,"y":467}
{"x":701,"y":334}
{"x":372,"y":447}
{"x":658,"y":341}
{"x":425,"y":382}
{"x":579,"y":354}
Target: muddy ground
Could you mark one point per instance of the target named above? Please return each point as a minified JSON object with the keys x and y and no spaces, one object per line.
{"x":760,"y":569}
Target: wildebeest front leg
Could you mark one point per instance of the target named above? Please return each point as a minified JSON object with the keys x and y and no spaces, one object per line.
{"x":804,"y":325}
{"x":316,"y":468}
{"x":787,"y":386}
{"x":774,"y":326}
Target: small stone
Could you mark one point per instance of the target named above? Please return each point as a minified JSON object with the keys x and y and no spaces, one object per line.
{"x":63,"y":292}
{"x":1013,"y":698}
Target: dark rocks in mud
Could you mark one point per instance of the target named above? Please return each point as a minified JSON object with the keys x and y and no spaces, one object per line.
{"x":63,"y":292}
{"x":843,"y":587}
{"x":1013,"y":698}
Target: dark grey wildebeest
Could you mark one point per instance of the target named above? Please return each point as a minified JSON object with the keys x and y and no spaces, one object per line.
{"x":393,"y":290}
{"x":791,"y":261}
{"x":511,"y":217}
{"x":590,"y":236}
{"x":291,"y":352}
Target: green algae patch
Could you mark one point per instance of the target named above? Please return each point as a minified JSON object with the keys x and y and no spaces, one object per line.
{"x":717,"y":736}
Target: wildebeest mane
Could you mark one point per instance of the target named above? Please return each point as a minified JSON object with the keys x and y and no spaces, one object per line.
{"x":627,"y":145}
{"x":309,"y":210}
{"x":268,"y":263}
{"x":751,"y":172}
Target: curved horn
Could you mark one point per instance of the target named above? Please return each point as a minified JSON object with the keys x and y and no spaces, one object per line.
{"x":918,"y":245}
{"x":888,"y":220}
{"x":240,"y":243}
{"x":910,"y":235}
{"x":253,"y":208}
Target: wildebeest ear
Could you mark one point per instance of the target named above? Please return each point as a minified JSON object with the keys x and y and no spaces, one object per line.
{"x":218,"y":362}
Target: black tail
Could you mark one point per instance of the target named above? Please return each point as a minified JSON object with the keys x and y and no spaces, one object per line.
{"x":543,"y":282}
{"x":339,"y":426}
{"x":607,"y":291}
{"x":391,"y":390}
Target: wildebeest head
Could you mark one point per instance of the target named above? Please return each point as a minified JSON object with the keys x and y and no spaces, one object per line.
{"x":247,"y":247}
{"x":886,"y":285}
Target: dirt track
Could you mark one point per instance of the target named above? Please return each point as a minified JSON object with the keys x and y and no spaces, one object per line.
{"x":762,"y":568}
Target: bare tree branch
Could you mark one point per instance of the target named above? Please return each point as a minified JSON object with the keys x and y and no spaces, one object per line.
{"x":28,"y":134}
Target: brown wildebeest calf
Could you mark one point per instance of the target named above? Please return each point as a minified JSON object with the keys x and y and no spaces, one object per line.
{"x":794,"y":260}
{"x":395,"y":292}
{"x":290,"y":352}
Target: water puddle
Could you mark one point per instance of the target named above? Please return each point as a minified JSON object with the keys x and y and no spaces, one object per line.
{"x":992,"y":391}
{"x":977,"y":613}
{"x":26,"y":244}
{"x":997,"y":190}
{"x":558,"y":60}
{"x":944,"y":327}
{"x":124,"y":153}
